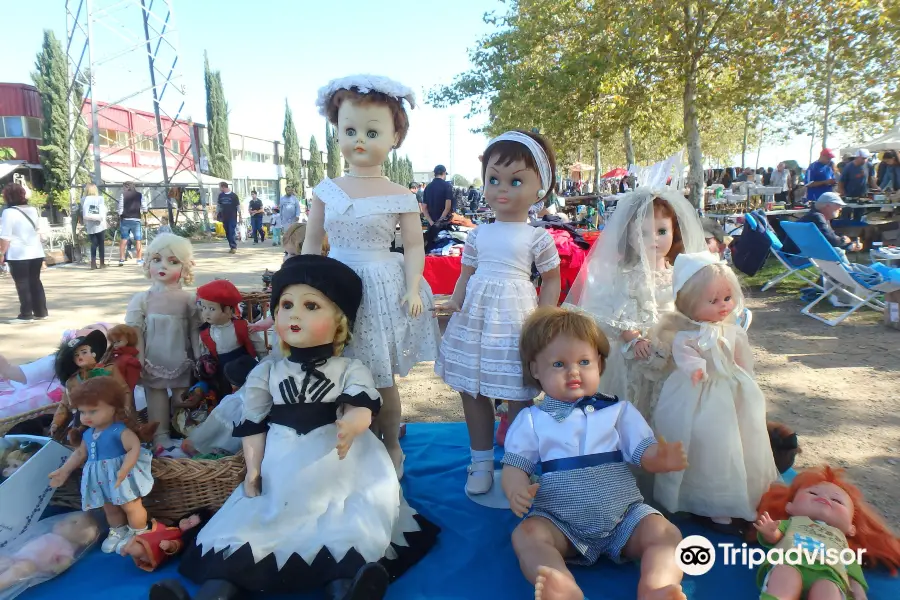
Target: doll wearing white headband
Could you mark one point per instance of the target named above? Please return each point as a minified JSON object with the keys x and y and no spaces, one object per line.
{"x":479,"y":354}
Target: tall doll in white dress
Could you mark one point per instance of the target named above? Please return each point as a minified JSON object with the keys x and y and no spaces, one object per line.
{"x":626,"y":284}
{"x":321,"y":506}
{"x":360,"y":212}
{"x":710,"y":402}
{"x":168,"y":321}
{"x":494,"y":294}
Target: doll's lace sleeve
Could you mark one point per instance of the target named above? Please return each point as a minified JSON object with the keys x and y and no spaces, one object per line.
{"x":546,"y":256}
{"x":258,"y":401}
{"x":470,"y":252}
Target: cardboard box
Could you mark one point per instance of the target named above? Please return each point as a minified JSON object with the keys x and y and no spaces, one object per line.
{"x":54,"y":257}
{"x":25,"y":495}
{"x":892,"y":309}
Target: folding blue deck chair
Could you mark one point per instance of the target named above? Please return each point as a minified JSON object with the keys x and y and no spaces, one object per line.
{"x":796,"y":265}
{"x":862,"y":285}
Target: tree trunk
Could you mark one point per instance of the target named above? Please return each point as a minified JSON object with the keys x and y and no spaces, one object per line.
{"x":746,"y":133}
{"x":759,"y":149}
{"x":692,"y":136}
{"x":596,"y":185}
{"x":629,"y":147}
{"x":829,"y":75}
{"x":812,"y":140}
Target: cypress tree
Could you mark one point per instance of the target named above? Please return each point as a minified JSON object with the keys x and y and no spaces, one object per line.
{"x":316,"y":168}
{"x":395,"y":168}
{"x":219,"y":146}
{"x":292,"y":152}
{"x":51,"y":80}
{"x":334,"y":151}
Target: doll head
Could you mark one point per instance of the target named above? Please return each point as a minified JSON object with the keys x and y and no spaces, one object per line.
{"x":706,"y":289}
{"x":292,"y":240}
{"x":219,"y":301}
{"x":518,"y":169}
{"x":563,"y":352}
{"x":367,"y":112}
{"x":101,"y":401}
{"x":823,"y":494}
{"x":14,"y":461}
{"x":315,"y":300}
{"x":79,"y":528}
{"x":656,"y":235}
{"x":170,"y":260}
{"x":122,"y":336}
{"x":79,"y":353}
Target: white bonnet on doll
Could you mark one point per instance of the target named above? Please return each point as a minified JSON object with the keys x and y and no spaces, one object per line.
{"x":694,"y":271}
{"x":364,"y":84}
{"x":177,"y":245}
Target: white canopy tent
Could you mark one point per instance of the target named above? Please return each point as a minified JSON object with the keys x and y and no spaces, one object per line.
{"x":888,"y":141}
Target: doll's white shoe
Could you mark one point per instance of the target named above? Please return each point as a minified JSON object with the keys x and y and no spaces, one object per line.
{"x":115,"y":537}
{"x":481,"y":477}
{"x":129,"y":533}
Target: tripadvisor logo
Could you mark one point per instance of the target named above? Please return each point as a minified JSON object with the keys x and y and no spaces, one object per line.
{"x":696,"y":555}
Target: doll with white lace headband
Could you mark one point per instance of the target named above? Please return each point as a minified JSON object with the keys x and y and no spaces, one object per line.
{"x":494,"y":294}
{"x":711,"y":402}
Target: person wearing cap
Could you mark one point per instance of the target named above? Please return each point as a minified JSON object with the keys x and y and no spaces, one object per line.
{"x":820,"y":176}
{"x":225,"y":336}
{"x":856,"y":179}
{"x":715,"y":237}
{"x":438,"y":197}
{"x":826,"y":208}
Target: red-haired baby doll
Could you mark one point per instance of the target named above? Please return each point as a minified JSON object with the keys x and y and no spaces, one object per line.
{"x":822,"y":511}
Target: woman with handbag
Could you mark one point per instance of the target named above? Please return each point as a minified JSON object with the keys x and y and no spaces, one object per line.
{"x":93,"y":214}
{"x":21,"y":248}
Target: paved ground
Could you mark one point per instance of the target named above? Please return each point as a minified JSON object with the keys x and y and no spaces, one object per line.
{"x":839,"y":388}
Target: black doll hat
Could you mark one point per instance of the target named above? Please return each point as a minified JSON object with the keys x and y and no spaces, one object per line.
{"x":64,"y":366}
{"x":333,"y":278}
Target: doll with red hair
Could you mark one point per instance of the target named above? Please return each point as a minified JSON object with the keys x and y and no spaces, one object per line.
{"x":122,"y":355}
{"x":822,"y":511}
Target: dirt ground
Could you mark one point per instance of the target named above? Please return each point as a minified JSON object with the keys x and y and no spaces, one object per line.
{"x":838,"y":387}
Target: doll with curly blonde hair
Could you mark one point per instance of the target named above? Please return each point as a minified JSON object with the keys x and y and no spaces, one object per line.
{"x":168,"y":324}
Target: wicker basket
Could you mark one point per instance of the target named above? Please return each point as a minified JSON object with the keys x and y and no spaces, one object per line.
{"x":180,"y":486}
{"x":9,"y":422}
{"x":262,"y":300}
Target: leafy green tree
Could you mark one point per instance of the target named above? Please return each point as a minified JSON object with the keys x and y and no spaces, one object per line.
{"x":7,"y":153}
{"x":460,"y":181}
{"x":292,"y":164}
{"x":316,"y":168}
{"x":334,"y":151}
{"x":218,"y":149}
{"x":51,"y":80}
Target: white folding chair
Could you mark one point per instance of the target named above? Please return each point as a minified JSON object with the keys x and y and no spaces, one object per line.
{"x":813,"y":245}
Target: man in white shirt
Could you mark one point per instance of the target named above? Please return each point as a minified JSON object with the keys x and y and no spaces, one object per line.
{"x":780,"y":180}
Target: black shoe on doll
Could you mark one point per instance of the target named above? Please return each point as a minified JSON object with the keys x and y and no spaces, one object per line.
{"x":214,"y":589}
{"x":371,"y":583}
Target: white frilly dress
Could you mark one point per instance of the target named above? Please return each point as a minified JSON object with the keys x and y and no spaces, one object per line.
{"x":721,"y":422}
{"x":318,"y":518}
{"x":360,"y":232}
{"x":480,"y":349}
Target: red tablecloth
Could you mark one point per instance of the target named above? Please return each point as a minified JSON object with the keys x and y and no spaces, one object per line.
{"x":441,"y":273}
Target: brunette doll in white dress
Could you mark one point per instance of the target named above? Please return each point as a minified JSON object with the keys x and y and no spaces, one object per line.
{"x":168,"y":321}
{"x":360,"y":212}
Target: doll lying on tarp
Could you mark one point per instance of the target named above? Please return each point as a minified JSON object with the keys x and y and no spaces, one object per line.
{"x":821,"y":511}
{"x":151,"y":549}
{"x":44,"y":551}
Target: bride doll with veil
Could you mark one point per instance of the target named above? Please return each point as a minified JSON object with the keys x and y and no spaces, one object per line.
{"x":626,"y":283}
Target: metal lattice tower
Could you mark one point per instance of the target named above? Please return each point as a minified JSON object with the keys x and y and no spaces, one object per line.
{"x":110,"y":45}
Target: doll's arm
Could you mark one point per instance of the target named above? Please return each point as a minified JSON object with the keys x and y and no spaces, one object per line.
{"x":413,"y":260}
{"x":75,"y":460}
{"x":254,"y":447}
{"x":768,"y":531}
{"x":518,"y":489}
{"x":132,"y":446}
{"x":546,"y":259}
{"x":11,"y":371}
{"x":519,"y":462}
{"x":253,"y":427}
{"x":858,"y":585}
{"x":315,"y":227}
{"x":687,"y":357}
{"x":359,"y":401}
{"x":551,"y":285}
{"x":459,"y":290}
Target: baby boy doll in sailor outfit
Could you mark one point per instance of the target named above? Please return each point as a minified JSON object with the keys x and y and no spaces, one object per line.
{"x":586,"y":503}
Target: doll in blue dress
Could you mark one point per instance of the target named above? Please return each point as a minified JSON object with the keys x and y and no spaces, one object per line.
{"x":116,"y":472}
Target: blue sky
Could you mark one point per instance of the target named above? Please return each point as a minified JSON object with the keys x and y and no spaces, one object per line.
{"x":269,"y":50}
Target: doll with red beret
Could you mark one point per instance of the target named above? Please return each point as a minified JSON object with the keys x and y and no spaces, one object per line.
{"x":224,"y":335}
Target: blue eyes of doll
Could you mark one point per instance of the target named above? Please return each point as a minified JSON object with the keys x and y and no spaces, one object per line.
{"x":350,"y":131}
{"x":372,"y":134}
{"x":582,"y":363}
{"x":495,"y":181}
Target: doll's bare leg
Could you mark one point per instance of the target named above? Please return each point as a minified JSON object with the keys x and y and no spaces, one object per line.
{"x":115,"y":516}
{"x":542,"y":550}
{"x":16,"y":571}
{"x":653,"y":542}
{"x":479,"y":412}
{"x":824,"y":589}
{"x":159,"y":410}
{"x":136,"y":514}
{"x":784,"y":583}
{"x":389,"y":424}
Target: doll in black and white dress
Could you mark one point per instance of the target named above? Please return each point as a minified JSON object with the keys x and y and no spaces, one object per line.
{"x":321,"y":505}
